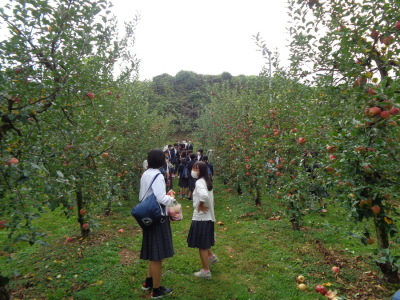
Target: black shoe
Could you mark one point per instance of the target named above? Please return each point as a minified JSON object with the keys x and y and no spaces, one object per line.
{"x":160,"y":292}
{"x":148,"y":284}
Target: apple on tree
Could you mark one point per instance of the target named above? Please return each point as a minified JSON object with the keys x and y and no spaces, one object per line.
{"x":394,"y":111}
{"x":376,"y":209}
{"x":385,"y":114}
{"x":90,"y":95}
{"x":12,"y":161}
{"x":374,"y":111}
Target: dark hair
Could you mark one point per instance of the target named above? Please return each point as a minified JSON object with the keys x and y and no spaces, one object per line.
{"x":200,"y":150}
{"x":192,"y":155}
{"x":156,"y":159}
{"x":204,"y":158}
{"x":203,"y":168}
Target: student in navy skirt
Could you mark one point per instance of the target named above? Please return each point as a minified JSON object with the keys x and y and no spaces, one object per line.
{"x":157,"y":239}
{"x":201,"y":233}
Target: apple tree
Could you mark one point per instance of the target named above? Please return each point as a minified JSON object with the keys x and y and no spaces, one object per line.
{"x":57,"y":63}
{"x":350,"y":51}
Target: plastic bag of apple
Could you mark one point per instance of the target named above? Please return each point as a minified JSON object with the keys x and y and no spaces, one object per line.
{"x":175,"y":211}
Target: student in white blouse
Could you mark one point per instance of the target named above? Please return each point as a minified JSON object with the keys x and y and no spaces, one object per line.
{"x":201,"y":233}
{"x":157,"y":239}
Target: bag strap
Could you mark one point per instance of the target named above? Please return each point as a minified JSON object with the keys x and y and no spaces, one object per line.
{"x":150,"y":186}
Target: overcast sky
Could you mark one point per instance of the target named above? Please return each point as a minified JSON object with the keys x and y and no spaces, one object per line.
{"x":206,"y":37}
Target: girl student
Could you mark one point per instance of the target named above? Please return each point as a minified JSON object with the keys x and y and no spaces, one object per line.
{"x":201,"y":233}
{"x":157,"y":239}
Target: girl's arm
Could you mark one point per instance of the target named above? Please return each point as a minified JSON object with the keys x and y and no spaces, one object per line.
{"x":159,"y":191}
{"x":203,"y":193}
{"x":202,"y":207}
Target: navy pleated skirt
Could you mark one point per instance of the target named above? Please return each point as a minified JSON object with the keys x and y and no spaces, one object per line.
{"x":201,"y":235}
{"x":183,"y":182}
{"x":157,"y":242}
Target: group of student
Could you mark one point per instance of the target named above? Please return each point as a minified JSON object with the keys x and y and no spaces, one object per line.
{"x":157,"y":241}
{"x":179,"y":161}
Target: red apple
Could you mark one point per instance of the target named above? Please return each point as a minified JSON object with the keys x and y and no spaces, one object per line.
{"x":301,"y":140}
{"x":385,"y":114}
{"x":118,"y":96}
{"x":90,"y":95}
{"x":294,"y":130}
{"x":374,"y":111}
{"x":82,"y":212}
{"x":321,"y":289}
{"x":394,"y":111}
{"x":330,"y":169}
{"x":371,"y":91}
{"x":105,"y":155}
{"x":370,"y":240}
{"x":335,"y":269}
{"x":3,"y":224}
{"x":360,"y":81}
{"x":331,"y":149}
{"x":397,"y":25}
{"x":278,"y":173}
{"x":387,"y":40}
{"x":68,"y":240}
{"x":120,"y":230}
{"x":332,"y":157}
{"x":85,"y":226}
{"x":12,"y":161}
{"x":108,"y":92}
{"x":376,"y":209}
{"x":374,"y":34}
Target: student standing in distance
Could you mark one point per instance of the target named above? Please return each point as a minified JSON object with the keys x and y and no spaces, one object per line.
{"x":157,"y":239}
{"x":199,"y":154}
{"x":183,"y":183}
{"x":201,"y":233}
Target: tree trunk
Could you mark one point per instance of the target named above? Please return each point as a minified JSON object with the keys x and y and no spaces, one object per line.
{"x":4,"y":294}
{"x":80,"y":205}
{"x":258,"y":197}
{"x":390,"y":274}
{"x":294,"y":218}
{"x":381,"y":234}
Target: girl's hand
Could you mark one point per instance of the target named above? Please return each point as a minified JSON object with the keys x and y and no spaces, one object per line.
{"x":171,"y":193}
{"x":202,"y":207}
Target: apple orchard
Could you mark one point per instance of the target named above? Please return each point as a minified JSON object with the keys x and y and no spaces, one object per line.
{"x":74,"y":135}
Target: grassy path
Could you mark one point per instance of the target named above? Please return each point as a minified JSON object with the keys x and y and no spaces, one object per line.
{"x":259,"y":258}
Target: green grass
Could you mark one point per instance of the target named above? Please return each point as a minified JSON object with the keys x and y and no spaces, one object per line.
{"x":259,"y":258}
